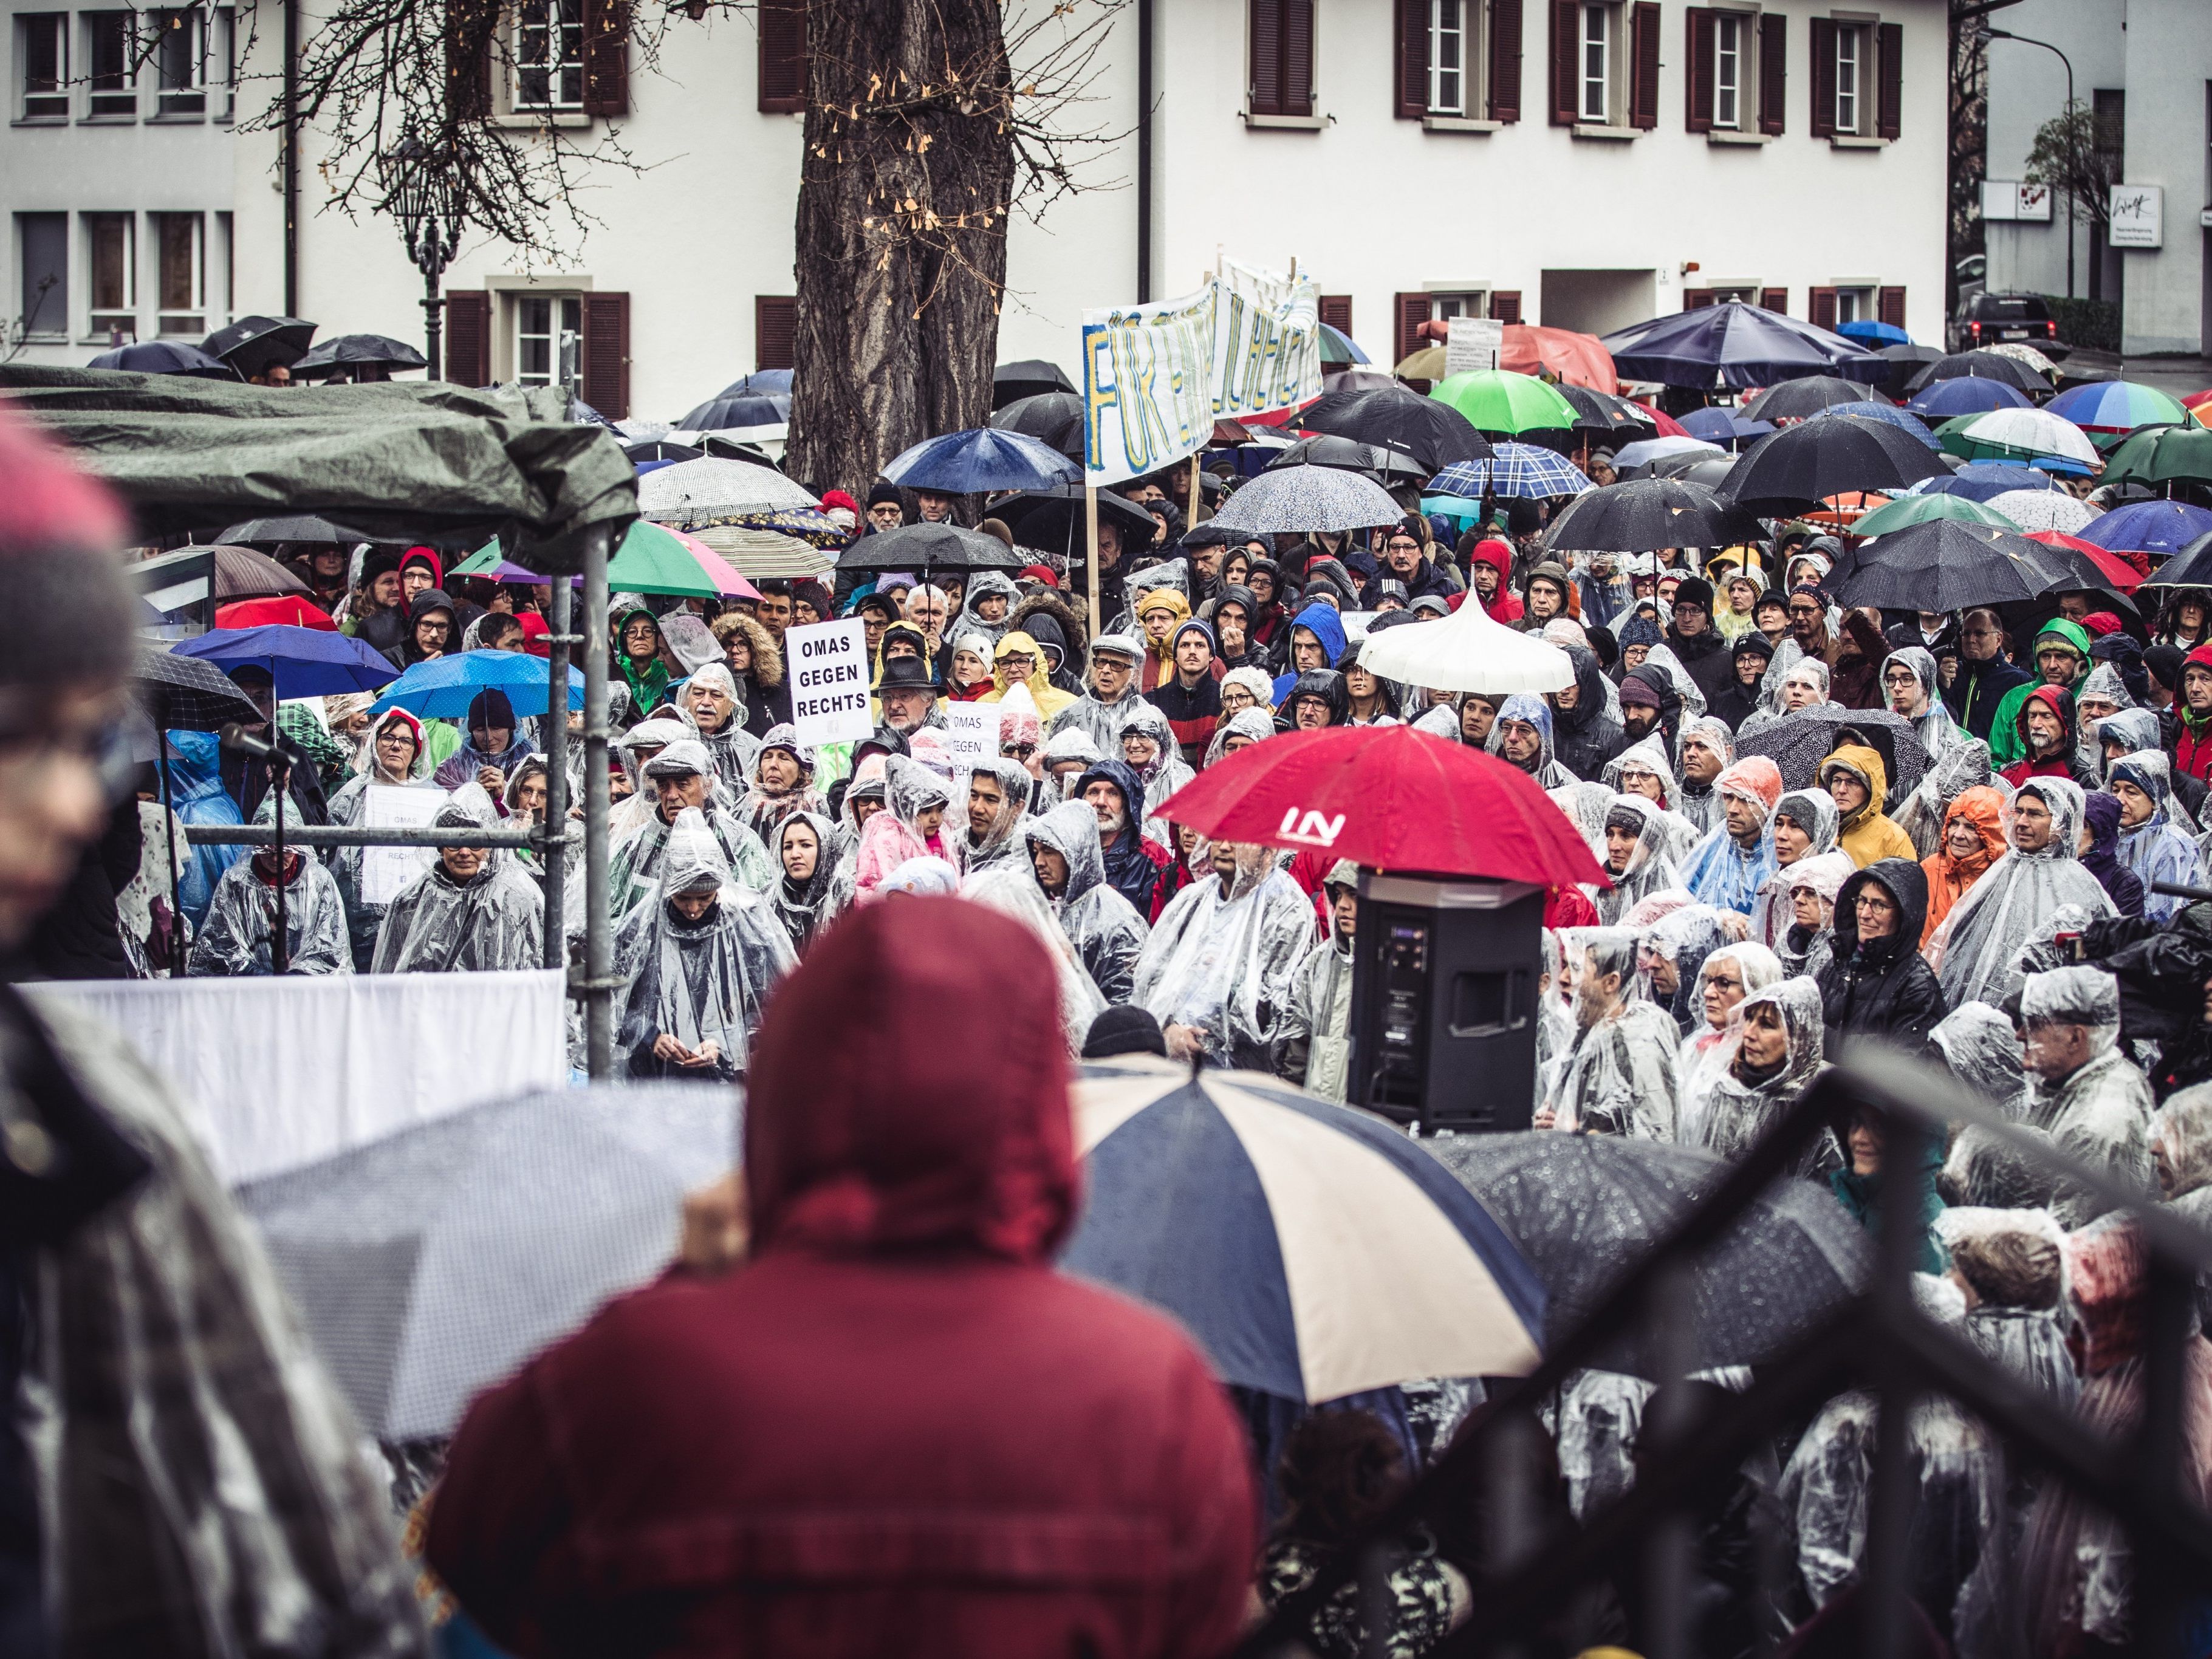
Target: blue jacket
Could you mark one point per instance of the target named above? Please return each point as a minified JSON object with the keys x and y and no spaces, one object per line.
{"x":1320,"y":620}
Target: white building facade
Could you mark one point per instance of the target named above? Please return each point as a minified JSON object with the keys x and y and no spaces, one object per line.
{"x":1579,"y":163}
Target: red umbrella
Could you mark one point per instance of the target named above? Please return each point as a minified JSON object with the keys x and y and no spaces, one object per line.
{"x":1668,"y":425}
{"x":1389,"y":798}
{"x":2125,"y":575}
{"x":289,"y":610}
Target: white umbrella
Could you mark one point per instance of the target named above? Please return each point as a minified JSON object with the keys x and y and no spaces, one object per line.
{"x":720,"y":488}
{"x":1296,"y":498}
{"x":1652,"y":449}
{"x":2043,"y":509}
{"x":2035,"y":430}
{"x":1468,"y":651}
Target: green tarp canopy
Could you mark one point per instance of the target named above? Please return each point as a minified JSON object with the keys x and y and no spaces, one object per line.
{"x":410,"y":458}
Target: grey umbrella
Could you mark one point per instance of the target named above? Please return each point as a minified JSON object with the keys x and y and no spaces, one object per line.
{"x":1305,"y":498}
{"x":1583,"y":1208}
{"x":1798,"y":743}
{"x":431,"y":1264}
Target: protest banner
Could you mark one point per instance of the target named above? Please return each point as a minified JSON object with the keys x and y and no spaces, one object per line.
{"x":971,"y":731}
{"x":828,"y":663}
{"x":1147,"y":385}
{"x":1266,"y":341}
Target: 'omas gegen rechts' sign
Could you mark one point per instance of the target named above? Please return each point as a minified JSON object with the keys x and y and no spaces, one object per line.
{"x":828,"y":663}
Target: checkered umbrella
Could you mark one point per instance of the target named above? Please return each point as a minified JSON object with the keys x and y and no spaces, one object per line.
{"x":1524,"y":470}
{"x":183,"y":694}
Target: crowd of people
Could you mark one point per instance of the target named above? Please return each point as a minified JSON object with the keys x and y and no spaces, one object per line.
{"x":1819,"y":826}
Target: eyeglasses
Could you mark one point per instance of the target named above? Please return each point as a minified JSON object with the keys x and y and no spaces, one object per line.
{"x":1017,"y":750}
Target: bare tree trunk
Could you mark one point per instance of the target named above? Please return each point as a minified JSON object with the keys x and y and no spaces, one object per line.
{"x":902,"y":231}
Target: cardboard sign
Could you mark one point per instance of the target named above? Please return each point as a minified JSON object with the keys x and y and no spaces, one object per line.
{"x":1147,"y":385}
{"x":1474,"y":344}
{"x":828,"y":663}
{"x":388,"y":872}
{"x":971,"y":731}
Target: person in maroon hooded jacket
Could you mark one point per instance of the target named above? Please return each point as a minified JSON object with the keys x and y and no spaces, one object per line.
{"x":896,"y":1428}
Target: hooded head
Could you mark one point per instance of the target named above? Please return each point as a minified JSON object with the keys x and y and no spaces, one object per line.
{"x":2060,"y":634}
{"x":1118,"y":772}
{"x":1921,"y":664}
{"x":1071,"y":829}
{"x":1323,"y":622}
{"x":1015,"y":643}
{"x":1850,"y":760}
{"x":1813,"y":811}
{"x":2181,"y":1141}
{"x":1983,"y":809}
{"x":870,"y":1128}
{"x":1527,"y":708}
{"x":2058,"y":701}
{"x":1589,"y":689}
{"x":1325,"y":686}
{"x":1907,"y":883}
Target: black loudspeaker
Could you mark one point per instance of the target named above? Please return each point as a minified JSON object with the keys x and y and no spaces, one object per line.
{"x":1443,"y":1000}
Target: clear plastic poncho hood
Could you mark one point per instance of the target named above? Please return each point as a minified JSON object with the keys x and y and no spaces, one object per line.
{"x":1104,"y":927}
{"x":233,"y":938}
{"x":1222,"y":963}
{"x":1976,"y":952}
{"x":494,"y":920}
{"x":1649,"y":868}
{"x":1013,"y":891}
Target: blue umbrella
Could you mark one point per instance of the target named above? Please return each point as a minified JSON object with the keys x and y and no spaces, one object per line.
{"x":1528,"y":470}
{"x":1338,"y":347}
{"x":1874,"y":410}
{"x":1966,"y":395}
{"x":1869,"y":333}
{"x":304,"y":662}
{"x":747,"y":409}
{"x":1985,"y":481}
{"x":1725,"y":427}
{"x":2160,"y":529}
{"x":983,"y":458}
{"x":166,"y":357}
{"x":1313,"y":1251}
{"x":1736,"y":344}
{"x":444,"y":687}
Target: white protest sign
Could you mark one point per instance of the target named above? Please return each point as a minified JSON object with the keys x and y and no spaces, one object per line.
{"x":1266,"y":341}
{"x":387,"y":871}
{"x":1147,"y":386}
{"x":971,"y":731}
{"x":828,"y":663}
{"x":1472,"y":345}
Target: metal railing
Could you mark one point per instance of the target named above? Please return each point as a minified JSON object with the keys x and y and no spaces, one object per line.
{"x":1878,"y":1339}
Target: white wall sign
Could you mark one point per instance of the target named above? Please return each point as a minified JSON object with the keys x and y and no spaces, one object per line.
{"x":828,"y":663}
{"x":2033,"y":203}
{"x":971,"y":731}
{"x":2138,"y":215}
{"x":1474,"y":344}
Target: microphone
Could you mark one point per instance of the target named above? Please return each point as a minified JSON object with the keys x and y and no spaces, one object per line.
{"x":244,"y":740}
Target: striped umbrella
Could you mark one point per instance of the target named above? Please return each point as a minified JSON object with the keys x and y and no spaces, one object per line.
{"x":1312,"y":1251}
{"x":2117,"y":406}
{"x":653,"y":558}
{"x":1524,"y":470}
{"x":1299,"y":498}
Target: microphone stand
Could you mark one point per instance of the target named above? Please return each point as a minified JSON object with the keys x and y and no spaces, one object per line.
{"x":279,"y":942}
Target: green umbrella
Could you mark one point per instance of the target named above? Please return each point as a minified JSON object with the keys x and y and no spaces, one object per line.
{"x":652,"y":559}
{"x":2163,"y":455}
{"x":1920,"y":509}
{"x":1498,"y":400}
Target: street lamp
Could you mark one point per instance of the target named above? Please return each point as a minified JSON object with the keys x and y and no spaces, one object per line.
{"x":2006,"y":34}
{"x":429,"y":225}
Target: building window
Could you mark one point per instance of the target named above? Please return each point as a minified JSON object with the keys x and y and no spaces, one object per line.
{"x":548,"y":55}
{"x":1475,"y":303}
{"x":44,"y":45}
{"x":43,"y":240}
{"x":180,"y":61}
{"x":1854,"y":304}
{"x":114,"y":76}
{"x":1596,"y":64}
{"x":181,"y":239}
{"x":1727,"y":70}
{"x":111,"y":241}
{"x":1849,"y":59}
{"x":1279,"y":74}
{"x":548,"y":329}
{"x":221,"y":61}
{"x":1448,"y":56}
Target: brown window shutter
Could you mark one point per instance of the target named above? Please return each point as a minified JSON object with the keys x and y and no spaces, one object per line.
{"x":1506,"y":305}
{"x":1696,"y":299}
{"x":776,"y":331}
{"x":1889,"y":307}
{"x":469,"y":26}
{"x":1297,"y":57}
{"x":1824,"y":77}
{"x":1698,"y":83}
{"x":606,"y":59}
{"x":607,"y":354}
{"x":1774,"y":70}
{"x":1889,"y":73}
{"x":1266,"y":96}
{"x":1774,"y":299}
{"x":468,"y":337}
{"x":1412,"y":311}
{"x":1412,"y":100}
{"x":1820,"y":307}
{"x":1643,"y":60}
{"x":1336,"y":312}
{"x":783,"y":57}
{"x":1567,"y":37}
{"x":1504,"y":104}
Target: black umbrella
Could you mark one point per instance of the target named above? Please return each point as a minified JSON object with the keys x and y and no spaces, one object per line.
{"x":1603,"y":412}
{"x":1713,"y":471}
{"x":1585,"y":1209}
{"x":1905,"y":362}
{"x":2191,"y":568}
{"x":1801,"y":465}
{"x":714,"y":446}
{"x":660,"y":449}
{"x":1435,"y":435}
{"x":165,"y":357}
{"x":351,"y":353}
{"x":1054,"y":518}
{"x":313,"y":527}
{"x":1942,"y":564}
{"x":1982,"y":366}
{"x":1378,"y":461}
{"x":1050,"y":417}
{"x":1026,"y":379}
{"x":185,"y":694}
{"x":1358,"y":379}
{"x":1799,"y":742}
{"x":930,"y":547}
{"x":253,"y":345}
{"x":1793,"y":400}
{"x":1643,"y":515}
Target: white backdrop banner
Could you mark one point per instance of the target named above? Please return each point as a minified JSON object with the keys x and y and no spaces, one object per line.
{"x":282,"y":1072}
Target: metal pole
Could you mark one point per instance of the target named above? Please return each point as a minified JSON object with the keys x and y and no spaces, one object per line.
{"x":169,"y":842}
{"x":556,"y":777}
{"x":280,"y":943}
{"x":433,"y":323}
{"x":599,"y":953}
{"x":2006,"y":34}
{"x":1090,"y":541}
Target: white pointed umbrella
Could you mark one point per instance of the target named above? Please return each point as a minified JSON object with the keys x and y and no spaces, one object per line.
{"x":2035,"y":431}
{"x":2044,"y":509}
{"x":719,"y":487}
{"x":1468,"y":651}
{"x":1295,"y":500}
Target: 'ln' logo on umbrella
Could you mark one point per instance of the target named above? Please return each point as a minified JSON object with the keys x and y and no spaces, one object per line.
{"x":1312,"y":829}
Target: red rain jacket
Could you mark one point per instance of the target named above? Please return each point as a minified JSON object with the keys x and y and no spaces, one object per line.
{"x":896,"y":1429}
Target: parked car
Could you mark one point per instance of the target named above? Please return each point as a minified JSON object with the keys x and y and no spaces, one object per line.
{"x":1986,"y":319}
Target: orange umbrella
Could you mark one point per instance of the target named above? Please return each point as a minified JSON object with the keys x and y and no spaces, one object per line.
{"x":1577,"y":359}
{"x":2199,"y":406}
{"x":1842,"y":512}
{"x":286,"y":610}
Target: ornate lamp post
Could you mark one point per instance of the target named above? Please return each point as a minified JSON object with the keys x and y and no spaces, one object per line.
{"x":431,"y":228}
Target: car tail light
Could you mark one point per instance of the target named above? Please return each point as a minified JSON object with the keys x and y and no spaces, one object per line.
{"x":2051,"y":328}
{"x":1974,"y":329}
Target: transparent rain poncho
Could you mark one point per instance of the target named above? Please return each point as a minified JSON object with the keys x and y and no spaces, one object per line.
{"x":1619,"y":1078}
{"x":1320,"y":1011}
{"x":1684,"y":937}
{"x":1662,"y":658}
{"x":626,"y":816}
{"x":349,"y":807}
{"x":1585,"y":806}
{"x":1720,"y":870}
{"x":1726,"y":1111}
{"x":1108,"y":933}
{"x":1257,"y":724}
{"x":1702,"y":806}
{"x":704,"y":982}
{"x":1647,"y":759}
{"x":1824,"y":874}
{"x":732,"y":748}
{"x":1073,"y":742}
{"x":807,"y":908}
{"x":1757,"y":967}
{"x":1221,"y":962}
{"x":1813,"y":811}
{"x":1555,"y":1014}
{"x":2157,"y":849}
{"x":233,"y":937}
{"x":1963,"y":765}
{"x":762,"y":810}
{"x":1983,"y":1051}
{"x":1596,"y":1417}
{"x":1976,"y":952}
{"x":2100,"y":1113}
{"x":2181,"y":1144}
{"x":889,"y":837}
{"x":1013,"y":891}
{"x":635,"y":869}
{"x":494,"y":920}
{"x":1532,"y":710}
{"x":2012,"y":1261}
{"x":1162,"y":775}
{"x":1001,"y":843}
{"x":1649,"y":868}
{"x":1933,"y":724}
